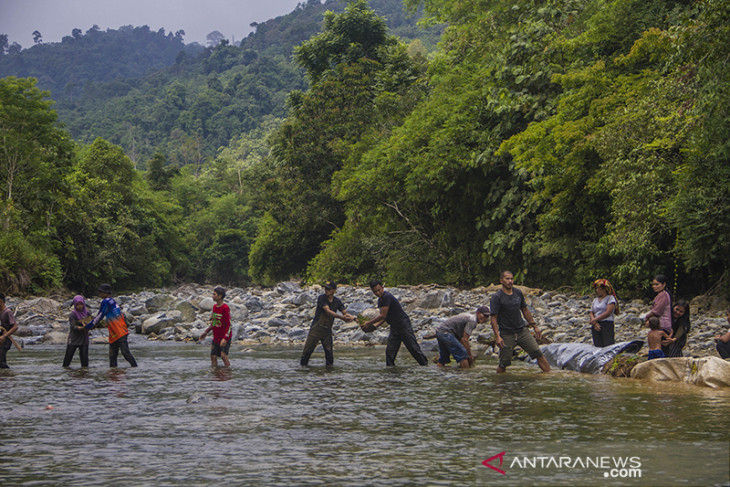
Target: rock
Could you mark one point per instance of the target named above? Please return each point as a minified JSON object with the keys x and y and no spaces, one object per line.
{"x":297,"y":334}
{"x":160,"y":321}
{"x":138,"y":310}
{"x":705,"y":371}
{"x":253,"y":304}
{"x":55,"y":338}
{"x":187,"y":310}
{"x":206,"y":304}
{"x":159,"y":302}
{"x":288,"y":288}
{"x":277,"y":323}
{"x":37,"y":306}
{"x":436,"y":299}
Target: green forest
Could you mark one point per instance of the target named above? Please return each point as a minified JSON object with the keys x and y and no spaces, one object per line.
{"x":564,"y":140}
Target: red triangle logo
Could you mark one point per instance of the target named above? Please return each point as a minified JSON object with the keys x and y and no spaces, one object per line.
{"x":501,"y":459}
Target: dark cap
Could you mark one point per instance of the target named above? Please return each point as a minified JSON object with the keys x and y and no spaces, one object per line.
{"x":330,"y":285}
{"x":484,"y":310}
{"x":105,"y":288}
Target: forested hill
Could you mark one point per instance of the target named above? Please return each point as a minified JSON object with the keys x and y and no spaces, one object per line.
{"x":148,"y":92}
{"x":65,"y":68}
{"x":565,"y":140}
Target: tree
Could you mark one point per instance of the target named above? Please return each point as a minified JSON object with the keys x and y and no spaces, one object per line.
{"x":35,"y":155}
{"x":355,"y":34}
{"x":214,"y":38}
{"x":37,"y":37}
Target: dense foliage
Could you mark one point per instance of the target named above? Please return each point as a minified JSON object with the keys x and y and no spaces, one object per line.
{"x":563,"y":139}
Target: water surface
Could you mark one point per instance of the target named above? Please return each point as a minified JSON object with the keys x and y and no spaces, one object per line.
{"x":267,"y":421}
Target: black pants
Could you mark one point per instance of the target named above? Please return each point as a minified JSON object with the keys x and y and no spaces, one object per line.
{"x":403,"y":334}
{"x":4,"y":347}
{"x":83,"y":354}
{"x":723,"y":349}
{"x":604,"y":337}
{"x":313,"y":340}
{"x":122,"y":345}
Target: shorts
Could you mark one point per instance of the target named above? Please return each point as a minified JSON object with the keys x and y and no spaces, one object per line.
{"x":216,"y":349}
{"x":524,"y":339}
{"x":658,"y":353}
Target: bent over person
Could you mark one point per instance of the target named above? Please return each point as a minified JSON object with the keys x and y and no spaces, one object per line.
{"x":453,"y":337}
{"x":508,"y":306}
{"x":329,"y":307}
{"x":401,"y":330}
{"x":109,"y":310}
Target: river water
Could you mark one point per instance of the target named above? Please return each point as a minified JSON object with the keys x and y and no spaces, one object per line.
{"x":267,"y":421}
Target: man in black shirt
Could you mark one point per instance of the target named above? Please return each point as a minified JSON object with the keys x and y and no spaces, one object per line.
{"x":508,"y":306}
{"x":328,"y":308}
{"x":401,"y":330}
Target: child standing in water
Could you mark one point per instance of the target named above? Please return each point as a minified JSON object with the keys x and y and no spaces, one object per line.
{"x":220,"y":323}
{"x":78,"y":335}
{"x":657,"y":337}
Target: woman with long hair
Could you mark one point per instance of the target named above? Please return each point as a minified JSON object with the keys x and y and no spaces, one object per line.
{"x":662,"y":305}
{"x":680,"y":329}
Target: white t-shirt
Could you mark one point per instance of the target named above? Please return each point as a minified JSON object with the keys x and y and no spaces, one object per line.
{"x":599,"y":306}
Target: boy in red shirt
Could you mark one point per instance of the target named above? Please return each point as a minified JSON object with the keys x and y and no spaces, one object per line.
{"x":220,"y":323}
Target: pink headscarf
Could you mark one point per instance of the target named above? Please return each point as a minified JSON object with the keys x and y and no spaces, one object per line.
{"x":80,"y":315}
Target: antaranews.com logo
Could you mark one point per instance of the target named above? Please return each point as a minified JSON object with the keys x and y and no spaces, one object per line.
{"x":611,"y":467}
{"x":589,"y":463}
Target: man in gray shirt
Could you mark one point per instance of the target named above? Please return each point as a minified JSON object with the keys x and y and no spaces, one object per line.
{"x":453,"y":337}
{"x":508,"y":307}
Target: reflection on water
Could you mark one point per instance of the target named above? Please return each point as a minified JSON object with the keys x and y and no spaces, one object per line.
{"x":267,"y":421}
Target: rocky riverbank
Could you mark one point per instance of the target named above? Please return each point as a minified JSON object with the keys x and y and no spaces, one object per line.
{"x":281,"y":315}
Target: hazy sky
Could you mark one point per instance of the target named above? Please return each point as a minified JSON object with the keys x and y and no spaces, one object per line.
{"x":55,"y":19}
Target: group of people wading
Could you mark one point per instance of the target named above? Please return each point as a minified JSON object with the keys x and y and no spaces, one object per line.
{"x":507,"y":312}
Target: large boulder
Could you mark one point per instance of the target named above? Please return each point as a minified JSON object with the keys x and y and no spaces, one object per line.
{"x":187,"y":310}
{"x":436,"y":299}
{"x":705,"y":371}
{"x":254,"y":304}
{"x":160,"y":321}
{"x":43,"y":306}
{"x":238,"y":313}
{"x":206,"y":304}
{"x":159,"y":302}
{"x":288,"y":287}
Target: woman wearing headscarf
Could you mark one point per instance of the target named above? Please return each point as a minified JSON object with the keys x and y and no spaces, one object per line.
{"x":78,"y":334}
{"x":680,"y":329}
{"x":603,"y":310}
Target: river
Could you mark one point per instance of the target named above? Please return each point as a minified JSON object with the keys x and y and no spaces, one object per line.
{"x":267,"y":421}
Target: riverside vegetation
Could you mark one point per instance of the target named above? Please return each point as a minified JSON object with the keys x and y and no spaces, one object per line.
{"x":566,"y":140}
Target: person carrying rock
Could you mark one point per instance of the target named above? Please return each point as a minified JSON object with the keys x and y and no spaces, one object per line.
{"x":78,"y":334}
{"x":220,"y":323}
{"x":453,"y":337}
{"x":117,"y":325}
{"x":328,"y":308}
{"x":401,"y":330}
{"x":8,"y":326}
{"x":508,"y":306}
